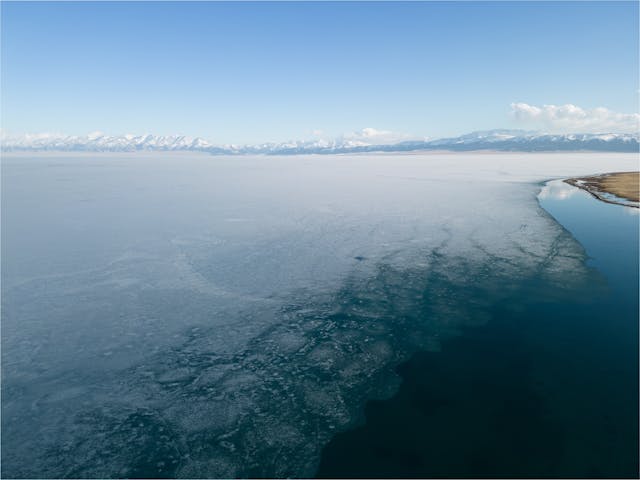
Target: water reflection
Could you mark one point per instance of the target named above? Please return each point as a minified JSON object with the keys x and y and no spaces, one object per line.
{"x":557,"y":189}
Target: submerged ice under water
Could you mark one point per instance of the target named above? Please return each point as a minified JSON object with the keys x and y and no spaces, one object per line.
{"x":196,"y":316}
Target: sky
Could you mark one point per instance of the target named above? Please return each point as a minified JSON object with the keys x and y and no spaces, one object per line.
{"x":249,"y":72}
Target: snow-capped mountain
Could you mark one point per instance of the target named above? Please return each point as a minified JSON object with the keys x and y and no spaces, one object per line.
{"x":501,"y":140}
{"x":519,"y":140}
{"x":95,"y":142}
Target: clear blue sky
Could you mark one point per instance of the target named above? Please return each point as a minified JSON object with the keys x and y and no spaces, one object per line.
{"x":252,"y":72}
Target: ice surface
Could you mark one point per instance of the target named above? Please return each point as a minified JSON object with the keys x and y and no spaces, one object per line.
{"x":197,"y":316}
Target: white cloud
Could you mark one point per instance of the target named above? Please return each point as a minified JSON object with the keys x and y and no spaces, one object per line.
{"x":95,"y":135}
{"x":372,"y":136}
{"x":571,"y":118}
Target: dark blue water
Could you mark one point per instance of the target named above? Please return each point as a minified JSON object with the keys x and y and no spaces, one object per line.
{"x":609,"y":234}
{"x":547,"y":388}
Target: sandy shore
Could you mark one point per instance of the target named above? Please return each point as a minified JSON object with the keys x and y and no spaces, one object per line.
{"x":621,"y":188}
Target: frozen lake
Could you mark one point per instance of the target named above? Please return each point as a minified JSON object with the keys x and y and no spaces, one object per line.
{"x":198,"y":316}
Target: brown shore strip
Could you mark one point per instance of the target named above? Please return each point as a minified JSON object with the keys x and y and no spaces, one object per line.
{"x":622,"y":185}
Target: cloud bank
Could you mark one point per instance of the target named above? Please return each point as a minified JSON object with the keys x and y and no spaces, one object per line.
{"x":571,"y":118}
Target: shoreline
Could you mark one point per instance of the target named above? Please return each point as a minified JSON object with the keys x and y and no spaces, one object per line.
{"x":617,"y":188}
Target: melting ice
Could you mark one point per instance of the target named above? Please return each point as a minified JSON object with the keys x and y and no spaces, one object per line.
{"x":197,"y":316}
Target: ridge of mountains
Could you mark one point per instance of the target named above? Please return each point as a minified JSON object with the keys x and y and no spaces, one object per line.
{"x":498,"y":140}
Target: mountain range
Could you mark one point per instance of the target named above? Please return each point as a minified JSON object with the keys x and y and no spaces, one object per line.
{"x":498,"y":140}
